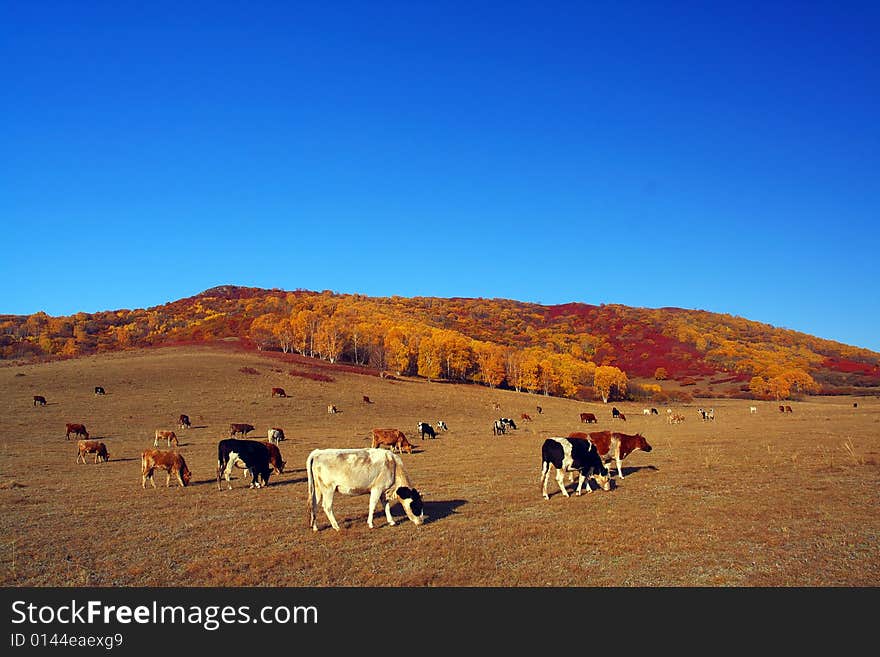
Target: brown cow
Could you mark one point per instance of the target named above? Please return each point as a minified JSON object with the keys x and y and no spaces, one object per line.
{"x":394,"y":438}
{"x":77,"y":430}
{"x":172,"y":462}
{"x":788,"y":409}
{"x":613,"y":445}
{"x":39,"y":399}
{"x":241,"y":428}
{"x":166,"y":435}
{"x":95,"y":447}
{"x":526,"y":417}
{"x":278,"y":392}
{"x":781,"y":408}
{"x":588,"y":418}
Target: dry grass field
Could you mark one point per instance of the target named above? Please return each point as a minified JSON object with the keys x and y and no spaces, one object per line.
{"x":748,"y":500}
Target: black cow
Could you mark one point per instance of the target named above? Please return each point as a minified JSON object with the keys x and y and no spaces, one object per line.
{"x":424,"y":428}
{"x":614,"y":412}
{"x":39,"y":399}
{"x":572,"y":455}
{"x":654,"y":411}
{"x":183,"y":421}
{"x":254,"y":454}
{"x":99,"y":390}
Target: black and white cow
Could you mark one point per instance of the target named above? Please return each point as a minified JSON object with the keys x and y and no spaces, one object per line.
{"x":572,"y":455}
{"x":499,"y":428}
{"x":508,"y":422}
{"x":374,"y":471}
{"x":99,"y":390}
{"x":254,"y":455}
{"x":425,"y":429}
{"x":441,"y":426}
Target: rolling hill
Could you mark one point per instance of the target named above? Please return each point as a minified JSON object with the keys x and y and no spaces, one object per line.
{"x":560,"y":350}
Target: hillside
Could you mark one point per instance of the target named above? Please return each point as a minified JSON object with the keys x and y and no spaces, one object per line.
{"x":572,"y":350}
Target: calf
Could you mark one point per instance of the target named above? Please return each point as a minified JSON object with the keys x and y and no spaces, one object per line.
{"x":166,"y":435}
{"x":172,"y":462}
{"x":77,"y":430}
{"x":572,"y":455}
{"x":39,"y":399}
{"x":253,"y":455}
{"x":275,"y":435}
{"x":441,"y":426}
{"x":240,"y":428}
{"x":95,"y":447}
{"x":588,"y":418}
{"x":376,"y":472}
{"x":616,"y":446}
{"x":393,"y":438}
{"x":183,"y":422}
{"x":425,"y":429}
{"x":278,"y":392}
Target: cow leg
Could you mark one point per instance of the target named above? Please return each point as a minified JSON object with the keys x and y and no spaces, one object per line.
{"x":581,"y":480}
{"x":327,"y":504}
{"x":383,"y":500}
{"x":168,"y":479}
{"x":180,"y":479}
{"x":560,"y":481}
{"x":375,"y":500}
{"x":619,"y":468}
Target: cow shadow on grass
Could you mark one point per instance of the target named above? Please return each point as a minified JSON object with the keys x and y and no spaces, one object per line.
{"x":285,"y":482}
{"x":437,"y":510}
{"x":628,"y":470}
{"x":123,"y":460}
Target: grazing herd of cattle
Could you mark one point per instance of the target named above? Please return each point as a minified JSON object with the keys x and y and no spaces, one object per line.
{"x":377,"y":471}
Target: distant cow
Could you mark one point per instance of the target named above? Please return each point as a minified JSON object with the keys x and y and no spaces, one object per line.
{"x":172,"y":462}
{"x":508,"y":421}
{"x":614,"y":413}
{"x":39,"y":399}
{"x":441,"y":426}
{"x":588,"y":418}
{"x":95,"y":447}
{"x":615,"y":446}
{"x":525,"y":417}
{"x":539,"y":409}
{"x":425,"y":429}
{"x":367,"y":400}
{"x":331,"y":408}
{"x":855,"y":404}
{"x":376,"y":472}
{"x":166,"y":435}
{"x":253,"y":455}
{"x":572,"y":455}
{"x":99,"y":390}
{"x":183,"y":422}
{"x":654,"y":411}
{"x":77,"y":430}
{"x":753,"y":409}
{"x":278,"y":392}
{"x":275,"y":435}
{"x":499,"y":428}
{"x":788,"y":409}
{"x":781,"y":408}
{"x":393,"y":438}
{"x":240,"y":428}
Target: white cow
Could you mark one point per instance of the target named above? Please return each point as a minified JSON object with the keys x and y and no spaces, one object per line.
{"x":753,"y":409}
{"x":275,"y":435}
{"x":374,"y":471}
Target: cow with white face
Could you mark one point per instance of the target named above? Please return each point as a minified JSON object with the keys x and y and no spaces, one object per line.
{"x":572,"y":455}
{"x":376,"y":472}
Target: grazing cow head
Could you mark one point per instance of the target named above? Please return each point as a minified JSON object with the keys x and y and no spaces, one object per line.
{"x":185,"y":474}
{"x":411,"y":501}
{"x":604,"y":480}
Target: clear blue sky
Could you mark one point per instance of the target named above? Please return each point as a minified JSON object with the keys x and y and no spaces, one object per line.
{"x":711,"y":155}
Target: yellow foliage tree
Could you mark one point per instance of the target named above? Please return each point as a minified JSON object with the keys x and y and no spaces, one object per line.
{"x":609,"y":380}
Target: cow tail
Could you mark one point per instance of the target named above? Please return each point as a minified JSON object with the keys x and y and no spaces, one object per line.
{"x":311,"y":501}
{"x":219,"y":462}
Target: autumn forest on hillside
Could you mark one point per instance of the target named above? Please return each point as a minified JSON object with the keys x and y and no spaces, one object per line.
{"x":574,"y":350}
